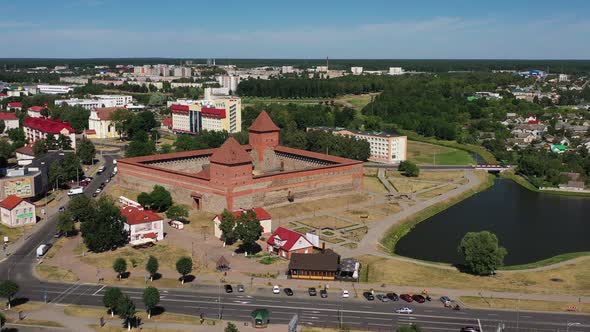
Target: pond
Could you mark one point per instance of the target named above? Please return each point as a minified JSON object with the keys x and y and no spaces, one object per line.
{"x":531,"y":226}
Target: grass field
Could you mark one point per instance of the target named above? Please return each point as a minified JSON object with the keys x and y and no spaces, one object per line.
{"x":513,"y":304}
{"x":437,"y":192}
{"x":386,"y":208}
{"x":573,"y":278}
{"x":406,"y":185}
{"x":326,"y":221}
{"x":32,"y":322}
{"x":358,"y":102}
{"x":308,"y":207}
{"x":355,"y":215}
{"x":429,"y":154}
{"x":54,"y":273}
{"x":372,"y":184}
{"x":115,"y":190}
{"x":14,"y":233}
{"x":200,"y":221}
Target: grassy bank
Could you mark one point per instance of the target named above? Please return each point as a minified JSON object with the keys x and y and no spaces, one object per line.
{"x":526,"y":184}
{"x":515,"y":304}
{"x":399,"y":230}
{"x":546,"y":262}
{"x":426,"y":154}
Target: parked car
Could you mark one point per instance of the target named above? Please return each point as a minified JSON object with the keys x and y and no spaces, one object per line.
{"x":107,"y":180}
{"x":100,"y":170}
{"x":276,"y":289}
{"x":323,"y":293}
{"x":393,"y":296}
{"x":369,"y":296}
{"x":98,"y":190}
{"x":228,"y":289}
{"x":102,"y":185}
{"x":404,"y":310}
{"x":94,"y":194}
{"x":62,"y":209}
{"x":418,"y":298}
{"x":312,"y":291}
{"x":406,"y":297}
{"x":58,"y":234}
{"x":382,"y":298}
{"x":88,"y":179}
{"x":445,"y":299}
{"x":288,"y":291}
{"x":470,"y":329}
{"x":345,"y":294}
{"x":84,"y":183}
{"x":241,"y":288}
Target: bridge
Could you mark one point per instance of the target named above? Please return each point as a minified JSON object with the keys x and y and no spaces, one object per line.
{"x":493,"y":167}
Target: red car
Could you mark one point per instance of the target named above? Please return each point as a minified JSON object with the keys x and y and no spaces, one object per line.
{"x":406,"y":297}
{"x":84,"y":183}
{"x":418,"y":298}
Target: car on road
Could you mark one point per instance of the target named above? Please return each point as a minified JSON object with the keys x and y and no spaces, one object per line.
{"x":102,"y":185}
{"x":100,"y":170}
{"x":418,"y":298}
{"x":276,"y":289}
{"x":404,"y":310}
{"x":345,"y":294}
{"x":382,"y":298}
{"x":288,"y":291}
{"x":61,"y":209}
{"x":323,"y":293}
{"x":107,"y":180}
{"x":88,"y":179}
{"x":98,"y":190}
{"x":406,"y":297}
{"x":58,"y":234}
{"x":369,"y":296}
{"x":445,"y":299}
{"x":228,"y":289}
{"x":84,"y":183}
{"x":469,"y":329}
{"x":312,"y":292}
{"x":393,"y":296}
{"x":241,"y":288}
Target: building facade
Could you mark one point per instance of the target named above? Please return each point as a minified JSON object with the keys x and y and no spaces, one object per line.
{"x":214,"y":115}
{"x":100,"y":122}
{"x":16,"y":212}
{"x":261,"y":215}
{"x":285,"y":242}
{"x":10,"y":121}
{"x":262,"y":173}
{"x":54,"y":89}
{"x":142,"y":224}
{"x":38,"y":128}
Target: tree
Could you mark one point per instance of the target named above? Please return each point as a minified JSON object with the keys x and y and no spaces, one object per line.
{"x":104,"y":229}
{"x":65,"y":223}
{"x":126,"y":310}
{"x":481,"y":252}
{"x":152,"y":266}
{"x":51,"y":142}
{"x":2,"y":320}
{"x":39,"y":147}
{"x":120,"y":266}
{"x":17,"y":136}
{"x":184,"y":266}
{"x":140,"y":147}
{"x":144,"y":199}
{"x":409,"y":168}
{"x":151,"y":298}
{"x":64,"y":142}
{"x":85,"y":150}
{"x":248,"y":228}
{"x":45,"y":112}
{"x":8,"y":290}
{"x":2,"y":126}
{"x":231,"y":327}
{"x":408,"y":328}
{"x":81,"y":207}
{"x":111,"y":298}
{"x":161,"y":199}
{"x":177,"y":212}
{"x":6,"y":152}
{"x":227,"y":225}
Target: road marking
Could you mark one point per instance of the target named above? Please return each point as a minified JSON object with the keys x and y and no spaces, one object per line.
{"x":98,"y":290}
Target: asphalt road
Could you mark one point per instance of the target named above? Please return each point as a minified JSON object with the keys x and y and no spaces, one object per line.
{"x":212,"y":302}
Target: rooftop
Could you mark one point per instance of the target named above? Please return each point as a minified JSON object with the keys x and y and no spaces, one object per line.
{"x":48,"y":125}
{"x":136,"y":216}
{"x":326,"y":260}
{"x":230,"y":153}
{"x":11,"y":202}
{"x":263,"y":123}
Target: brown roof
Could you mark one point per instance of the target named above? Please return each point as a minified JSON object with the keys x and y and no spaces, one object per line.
{"x":104,"y":113}
{"x":263,"y":123}
{"x":27,"y":150}
{"x":11,"y":202}
{"x":326,"y":260}
{"x":230,"y":153}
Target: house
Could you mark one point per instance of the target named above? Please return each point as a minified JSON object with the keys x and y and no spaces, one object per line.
{"x":39,"y":128}
{"x":35,"y":111}
{"x":321,"y":266}
{"x":100,"y":122}
{"x":284,"y":243}
{"x":261,"y":214}
{"x":25,"y":155}
{"x":10,"y":121}
{"x":142,"y":225}
{"x":14,"y":106}
{"x":16,"y":212}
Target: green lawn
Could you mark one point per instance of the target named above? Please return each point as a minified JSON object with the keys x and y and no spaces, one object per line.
{"x":426,"y":154}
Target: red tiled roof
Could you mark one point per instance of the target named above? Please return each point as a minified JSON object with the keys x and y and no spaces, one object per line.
{"x":11,"y":202}
{"x":230,"y":153}
{"x":27,"y":149}
{"x":263,"y":123}
{"x":7,"y":116}
{"x":36,"y":108}
{"x":48,"y":125}
{"x":217,"y":113}
{"x":291,"y":237}
{"x":180,"y":109}
{"x":136,"y":216}
{"x":261,"y":214}
{"x":104,"y":113}
{"x":15,"y":104}
{"x":204,"y":174}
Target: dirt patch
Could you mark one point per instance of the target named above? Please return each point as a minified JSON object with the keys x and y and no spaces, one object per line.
{"x":326,"y":221}
{"x":362,"y":215}
{"x":386,"y":208}
{"x":374,"y":185}
{"x":317,"y":205}
{"x":437,"y":192}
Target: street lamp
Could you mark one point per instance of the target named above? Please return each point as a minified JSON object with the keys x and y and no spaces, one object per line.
{"x":571,"y":324}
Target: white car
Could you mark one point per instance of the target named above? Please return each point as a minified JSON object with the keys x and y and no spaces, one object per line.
{"x":404,"y":310}
{"x":276,"y":289}
{"x":345,"y":294}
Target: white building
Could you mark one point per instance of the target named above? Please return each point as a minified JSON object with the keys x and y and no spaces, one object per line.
{"x":287,"y":69}
{"x":16,"y":212}
{"x":87,"y":104}
{"x":10,"y":120}
{"x":356,"y":70}
{"x":261,"y":214}
{"x":99,"y":123}
{"x":229,"y":81}
{"x":182,"y":71}
{"x":396,"y":70}
{"x":54,"y":89}
{"x":142,"y":225}
{"x":38,"y":128}
{"x":120,"y":100}
{"x":321,"y":69}
{"x":563,"y":78}
{"x":215,"y":114}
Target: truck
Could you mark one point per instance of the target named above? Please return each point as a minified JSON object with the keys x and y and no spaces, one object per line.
{"x":75,"y":191}
{"x":41,"y":250}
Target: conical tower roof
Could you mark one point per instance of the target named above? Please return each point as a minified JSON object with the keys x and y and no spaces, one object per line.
{"x":263,"y":124}
{"x":230,"y":153}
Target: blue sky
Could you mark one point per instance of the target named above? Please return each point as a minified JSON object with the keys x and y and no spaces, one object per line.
{"x":444,"y":29}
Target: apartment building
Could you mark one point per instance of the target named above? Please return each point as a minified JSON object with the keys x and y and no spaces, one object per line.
{"x":39,"y":128}
{"x":120,"y":100}
{"x":54,"y":89}
{"x":215,"y":115}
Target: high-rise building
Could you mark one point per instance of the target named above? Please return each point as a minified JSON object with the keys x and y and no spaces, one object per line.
{"x":213,"y":115}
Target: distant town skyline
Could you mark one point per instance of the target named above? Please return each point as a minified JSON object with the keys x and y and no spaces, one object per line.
{"x":379,"y":29}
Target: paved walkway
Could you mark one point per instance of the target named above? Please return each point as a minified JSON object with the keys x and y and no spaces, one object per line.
{"x":381,"y":176}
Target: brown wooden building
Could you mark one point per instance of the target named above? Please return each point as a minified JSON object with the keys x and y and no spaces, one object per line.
{"x":320,"y":266}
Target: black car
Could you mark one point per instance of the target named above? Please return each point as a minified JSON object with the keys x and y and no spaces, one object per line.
{"x":94,"y":194}
{"x":469,"y":329}
{"x":62,"y":208}
{"x":312,"y":291}
{"x":288,"y":291}
{"x":324,"y":293}
{"x":369,"y":296}
{"x":102,"y":185}
{"x":228,"y":289}
{"x":392,"y":296}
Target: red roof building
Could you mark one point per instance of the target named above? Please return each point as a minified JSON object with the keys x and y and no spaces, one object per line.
{"x":38,"y":128}
{"x":15,"y":105}
{"x":230,"y":153}
{"x":167,"y":122}
{"x":216,"y":113}
{"x":263,"y":124}
{"x":15,"y":212}
{"x":11,"y":202}
{"x":261,"y":215}
{"x":142,"y":224}
{"x":284,"y":242}
{"x":6,"y":116}
{"x":179,"y":109}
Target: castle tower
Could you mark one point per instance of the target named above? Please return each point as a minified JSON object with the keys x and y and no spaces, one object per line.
{"x":263,"y":134}
{"x":230,"y":165}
